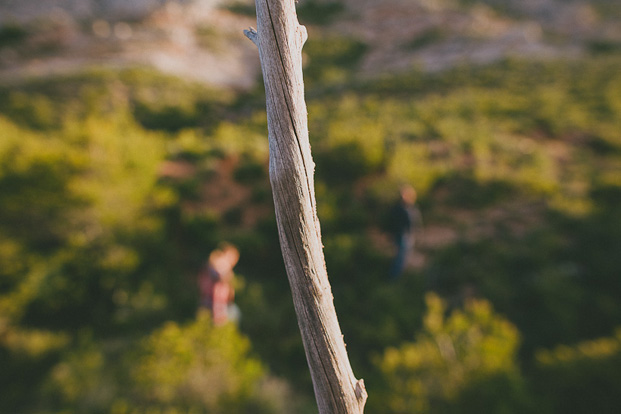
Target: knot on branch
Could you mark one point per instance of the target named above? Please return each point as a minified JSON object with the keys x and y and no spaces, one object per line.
{"x":303,"y":34}
{"x":361,"y":392}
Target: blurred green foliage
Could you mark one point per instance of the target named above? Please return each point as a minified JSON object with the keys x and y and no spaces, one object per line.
{"x":583,"y":377}
{"x":319,"y":12}
{"x":200,"y":368}
{"x":329,"y":60}
{"x":451,"y":357}
{"x":115,"y":185}
{"x":11,"y":34}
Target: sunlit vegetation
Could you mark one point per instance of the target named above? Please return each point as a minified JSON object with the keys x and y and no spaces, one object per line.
{"x":461,"y":363}
{"x":114,"y":186}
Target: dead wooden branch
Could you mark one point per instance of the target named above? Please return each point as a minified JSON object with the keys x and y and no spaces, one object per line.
{"x":280,"y":38}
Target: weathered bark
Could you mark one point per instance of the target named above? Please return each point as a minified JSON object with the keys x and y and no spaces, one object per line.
{"x":280,"y":38}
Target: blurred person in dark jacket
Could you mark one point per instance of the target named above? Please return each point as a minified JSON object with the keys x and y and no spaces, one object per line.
{"x":405,"y":218}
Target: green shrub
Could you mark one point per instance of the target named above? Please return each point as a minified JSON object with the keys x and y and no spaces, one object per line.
{"x":11,"y":34}
{"x":250,"y":172}
{"x":435,"y":373}
{"x":195,"y":366}
{"x":581,"y":378}
{"x":35,"y":111}
{"x":351,"y":150}
{"x":243,"y":8}
{"x":330,"y":59}
{"x":319,"y":12}
{"x":191,"y":367}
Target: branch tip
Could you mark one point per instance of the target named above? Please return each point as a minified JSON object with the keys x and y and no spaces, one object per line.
{"x":252,"y":34}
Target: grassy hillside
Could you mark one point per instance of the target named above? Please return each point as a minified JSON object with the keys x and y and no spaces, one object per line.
{"x":116,"y":184}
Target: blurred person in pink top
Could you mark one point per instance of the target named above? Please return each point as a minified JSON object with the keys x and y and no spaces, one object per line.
{"x":215,"y":282}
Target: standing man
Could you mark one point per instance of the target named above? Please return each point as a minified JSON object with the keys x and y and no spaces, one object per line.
{"x":404,"y":218}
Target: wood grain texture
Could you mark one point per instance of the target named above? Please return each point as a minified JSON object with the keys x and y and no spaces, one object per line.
{"x":280,"y":38}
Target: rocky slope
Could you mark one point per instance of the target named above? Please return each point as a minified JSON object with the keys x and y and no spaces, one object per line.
{"x":202,"y":39}
{"x":192,"y":39}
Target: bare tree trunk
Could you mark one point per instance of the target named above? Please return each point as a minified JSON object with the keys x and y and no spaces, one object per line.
{"x":280,"y":39}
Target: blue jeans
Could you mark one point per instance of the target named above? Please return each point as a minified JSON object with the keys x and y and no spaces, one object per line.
{"x":404,"y":243}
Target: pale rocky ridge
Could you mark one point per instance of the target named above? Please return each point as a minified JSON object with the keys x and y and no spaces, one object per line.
{"x":202,"y":40}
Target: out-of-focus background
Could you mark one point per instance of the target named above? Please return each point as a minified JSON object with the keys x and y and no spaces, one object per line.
{"x":133,"y":140}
